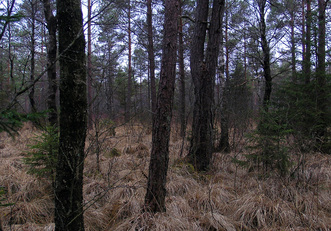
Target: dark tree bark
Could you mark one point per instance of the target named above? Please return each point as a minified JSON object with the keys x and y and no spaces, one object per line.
{"x":292,"y":27}
{"x":224,"y":144}
{"x":10,"y":8}
{"x":307,"y":57}
{"x":73,"y":118}
{"x":32,"y":59}
{"x":303,"y":33}
{"x":203,"y":69}
{"x":322,"y":99}
{"x":89,"y":66}
{"x":51,"y":63}
{"x":151,"y":57}
{"x":266,"y":55}
{"x":156,"y":190}
{"x":129,"y":93}
{"x":181,"y":74}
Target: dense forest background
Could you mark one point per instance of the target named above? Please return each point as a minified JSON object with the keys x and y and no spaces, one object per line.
{"x":221,"y":92}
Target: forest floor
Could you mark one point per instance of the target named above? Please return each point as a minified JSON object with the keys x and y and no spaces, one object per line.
{"x":228,"y":197}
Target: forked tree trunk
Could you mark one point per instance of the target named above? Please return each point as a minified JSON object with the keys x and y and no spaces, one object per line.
{"x":156,"y":187}
{"x":73,"y":103}
{"x":203,"y":69}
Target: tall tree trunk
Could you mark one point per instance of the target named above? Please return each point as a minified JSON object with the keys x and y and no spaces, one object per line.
{"x":203,"y":75}
{"x":303,"y":32}
{"x":307,"y":60}
{"x":197,"y":155}
{"x":73,"y":103}
{"x":32,"y":59}
{"x":266,"y":56}
{"x":151,"y":57}
{"x":293,"y":56}
{"x":224,"y":144}
{"x":129,"y":93}
{"x":51,"y":63}
{"x":322,"y":99}
{"x":89,"y":66}
{"x":181,"y":74}
{"x":156,"y":190}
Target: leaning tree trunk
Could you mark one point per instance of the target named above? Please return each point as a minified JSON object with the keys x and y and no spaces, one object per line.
{"x":51,"y":63}
{"x":203,"y":75}
{"x":156,"y":190}
{"x":73,"y":103}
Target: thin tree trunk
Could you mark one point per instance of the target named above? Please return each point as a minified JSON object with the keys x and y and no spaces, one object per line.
{"x":73,"y":118}
{"x":224,"y":144}
{"x":151,"y":57}
{"x":322,"y":99}
{"x":89,"y":66}
{"x":307,"y":60}
{"x":156,"y":187}
{"x":51,"y":63}
{"x":303,"y":38}
{"x":110,"y":86}
{"x":181,"y":74}
{"x":129,"y":93}
{"x":10,"y":8}
{"x":32,"y":60}
{"x":293,"y":56}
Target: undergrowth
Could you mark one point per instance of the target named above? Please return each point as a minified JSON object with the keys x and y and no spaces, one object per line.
{"x":228,"y":197}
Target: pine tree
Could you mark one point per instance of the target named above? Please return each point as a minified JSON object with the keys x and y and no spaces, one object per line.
{"x":73,"y":103}
{"x":156,"y":190}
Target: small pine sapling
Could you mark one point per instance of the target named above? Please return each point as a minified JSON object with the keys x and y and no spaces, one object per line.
{"x":42,"y":157}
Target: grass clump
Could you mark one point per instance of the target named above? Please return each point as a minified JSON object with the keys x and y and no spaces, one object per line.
{"x":113,"y":152}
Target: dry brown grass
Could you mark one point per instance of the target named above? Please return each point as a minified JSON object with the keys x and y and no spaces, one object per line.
{"x":226,"y":198}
